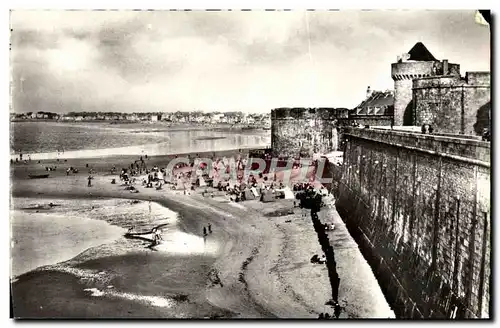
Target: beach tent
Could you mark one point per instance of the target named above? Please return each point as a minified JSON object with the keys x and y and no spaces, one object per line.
{"x":249,"y":195}
{"x":268,"y":196}
{"x":201,"y":182}
{"x":279,"y":194}
{"x":180,"y":185}
{"x":288,"y":193}
{"x":221,"y":166}
{"x":215,"y":180}
{"x":160,"y":175}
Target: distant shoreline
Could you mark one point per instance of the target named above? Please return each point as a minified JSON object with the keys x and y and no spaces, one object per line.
{"x":149,"y":123}
{"x":216,"y":133}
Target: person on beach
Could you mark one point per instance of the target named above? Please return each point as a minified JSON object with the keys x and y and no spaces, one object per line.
{"x":20,"y":156}
{"x":209,"y":228}
{"x":337,"y":310}
{"x":149,"y":205}
{"x":156,"y":237}
{"x":90,"y":179}
{"x":204,"y":231}
{"x":68,"y":170}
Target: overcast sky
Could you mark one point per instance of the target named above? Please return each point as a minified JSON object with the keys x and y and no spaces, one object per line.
{"x":250,"y":61}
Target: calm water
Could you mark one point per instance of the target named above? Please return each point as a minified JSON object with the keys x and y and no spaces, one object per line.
{"x":49,"y":137}
{"x":47,"y":237}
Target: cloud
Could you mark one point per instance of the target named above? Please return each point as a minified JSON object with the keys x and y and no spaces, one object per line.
{"x":169,"y":61}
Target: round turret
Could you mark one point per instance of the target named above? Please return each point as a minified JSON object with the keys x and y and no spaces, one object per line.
{"x":417,"y":63}
{"x":304,"y":131}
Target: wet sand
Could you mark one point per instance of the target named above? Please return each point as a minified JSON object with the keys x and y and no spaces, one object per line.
{"x":45,"y":238}
{"x":260,"y":269}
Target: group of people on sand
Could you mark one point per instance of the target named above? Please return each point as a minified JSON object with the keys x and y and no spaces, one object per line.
{"x":138,"y":166}
{"x":20,"y":159}
{"x":302,"y":186}
{"x":154,"y":178}
{"x":337,"y":310}
{"x":71,"y":169}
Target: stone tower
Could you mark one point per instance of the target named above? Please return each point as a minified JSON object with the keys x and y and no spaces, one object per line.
{"x":417,"y":63}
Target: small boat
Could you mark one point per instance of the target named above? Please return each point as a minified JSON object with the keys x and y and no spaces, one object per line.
{"x":38,"y":176}
{"x":140,"y":235}
{"x":146,"y":234}
{"x":154,"y":238}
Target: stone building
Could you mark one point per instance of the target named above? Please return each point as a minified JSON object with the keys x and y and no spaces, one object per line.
{"x":453,"y":104}
{"x":426,"y":91}
{"x":429,"y":91}
{"x":305,"y":131}
{"x":377,"y":109}
{"x":417,"y":63}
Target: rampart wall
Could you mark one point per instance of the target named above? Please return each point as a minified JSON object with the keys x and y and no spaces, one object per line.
{"x":419,"y":207}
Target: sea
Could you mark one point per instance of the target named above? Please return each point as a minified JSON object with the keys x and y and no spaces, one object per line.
{"x":50,"y":140}
{"x":69,"y":259}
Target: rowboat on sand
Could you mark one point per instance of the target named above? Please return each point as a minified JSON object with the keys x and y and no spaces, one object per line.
{"x":38,"y":176}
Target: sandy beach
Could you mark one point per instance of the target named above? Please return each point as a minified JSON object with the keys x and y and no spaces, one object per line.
{"x":255,"y":264}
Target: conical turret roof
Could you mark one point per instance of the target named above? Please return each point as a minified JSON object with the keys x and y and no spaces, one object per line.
{"x":420,"y":53}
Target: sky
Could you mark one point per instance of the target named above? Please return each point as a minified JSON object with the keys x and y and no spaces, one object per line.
{"x":253,"y":61}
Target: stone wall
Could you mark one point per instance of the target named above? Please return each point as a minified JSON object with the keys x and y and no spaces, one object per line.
{"x":454,"y":105}
{"x":419,"y":206}
{"x":371,"y":120}
{"x":403,"y":75}
{"x":402,"y":102}
{"x":304,"y":131}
